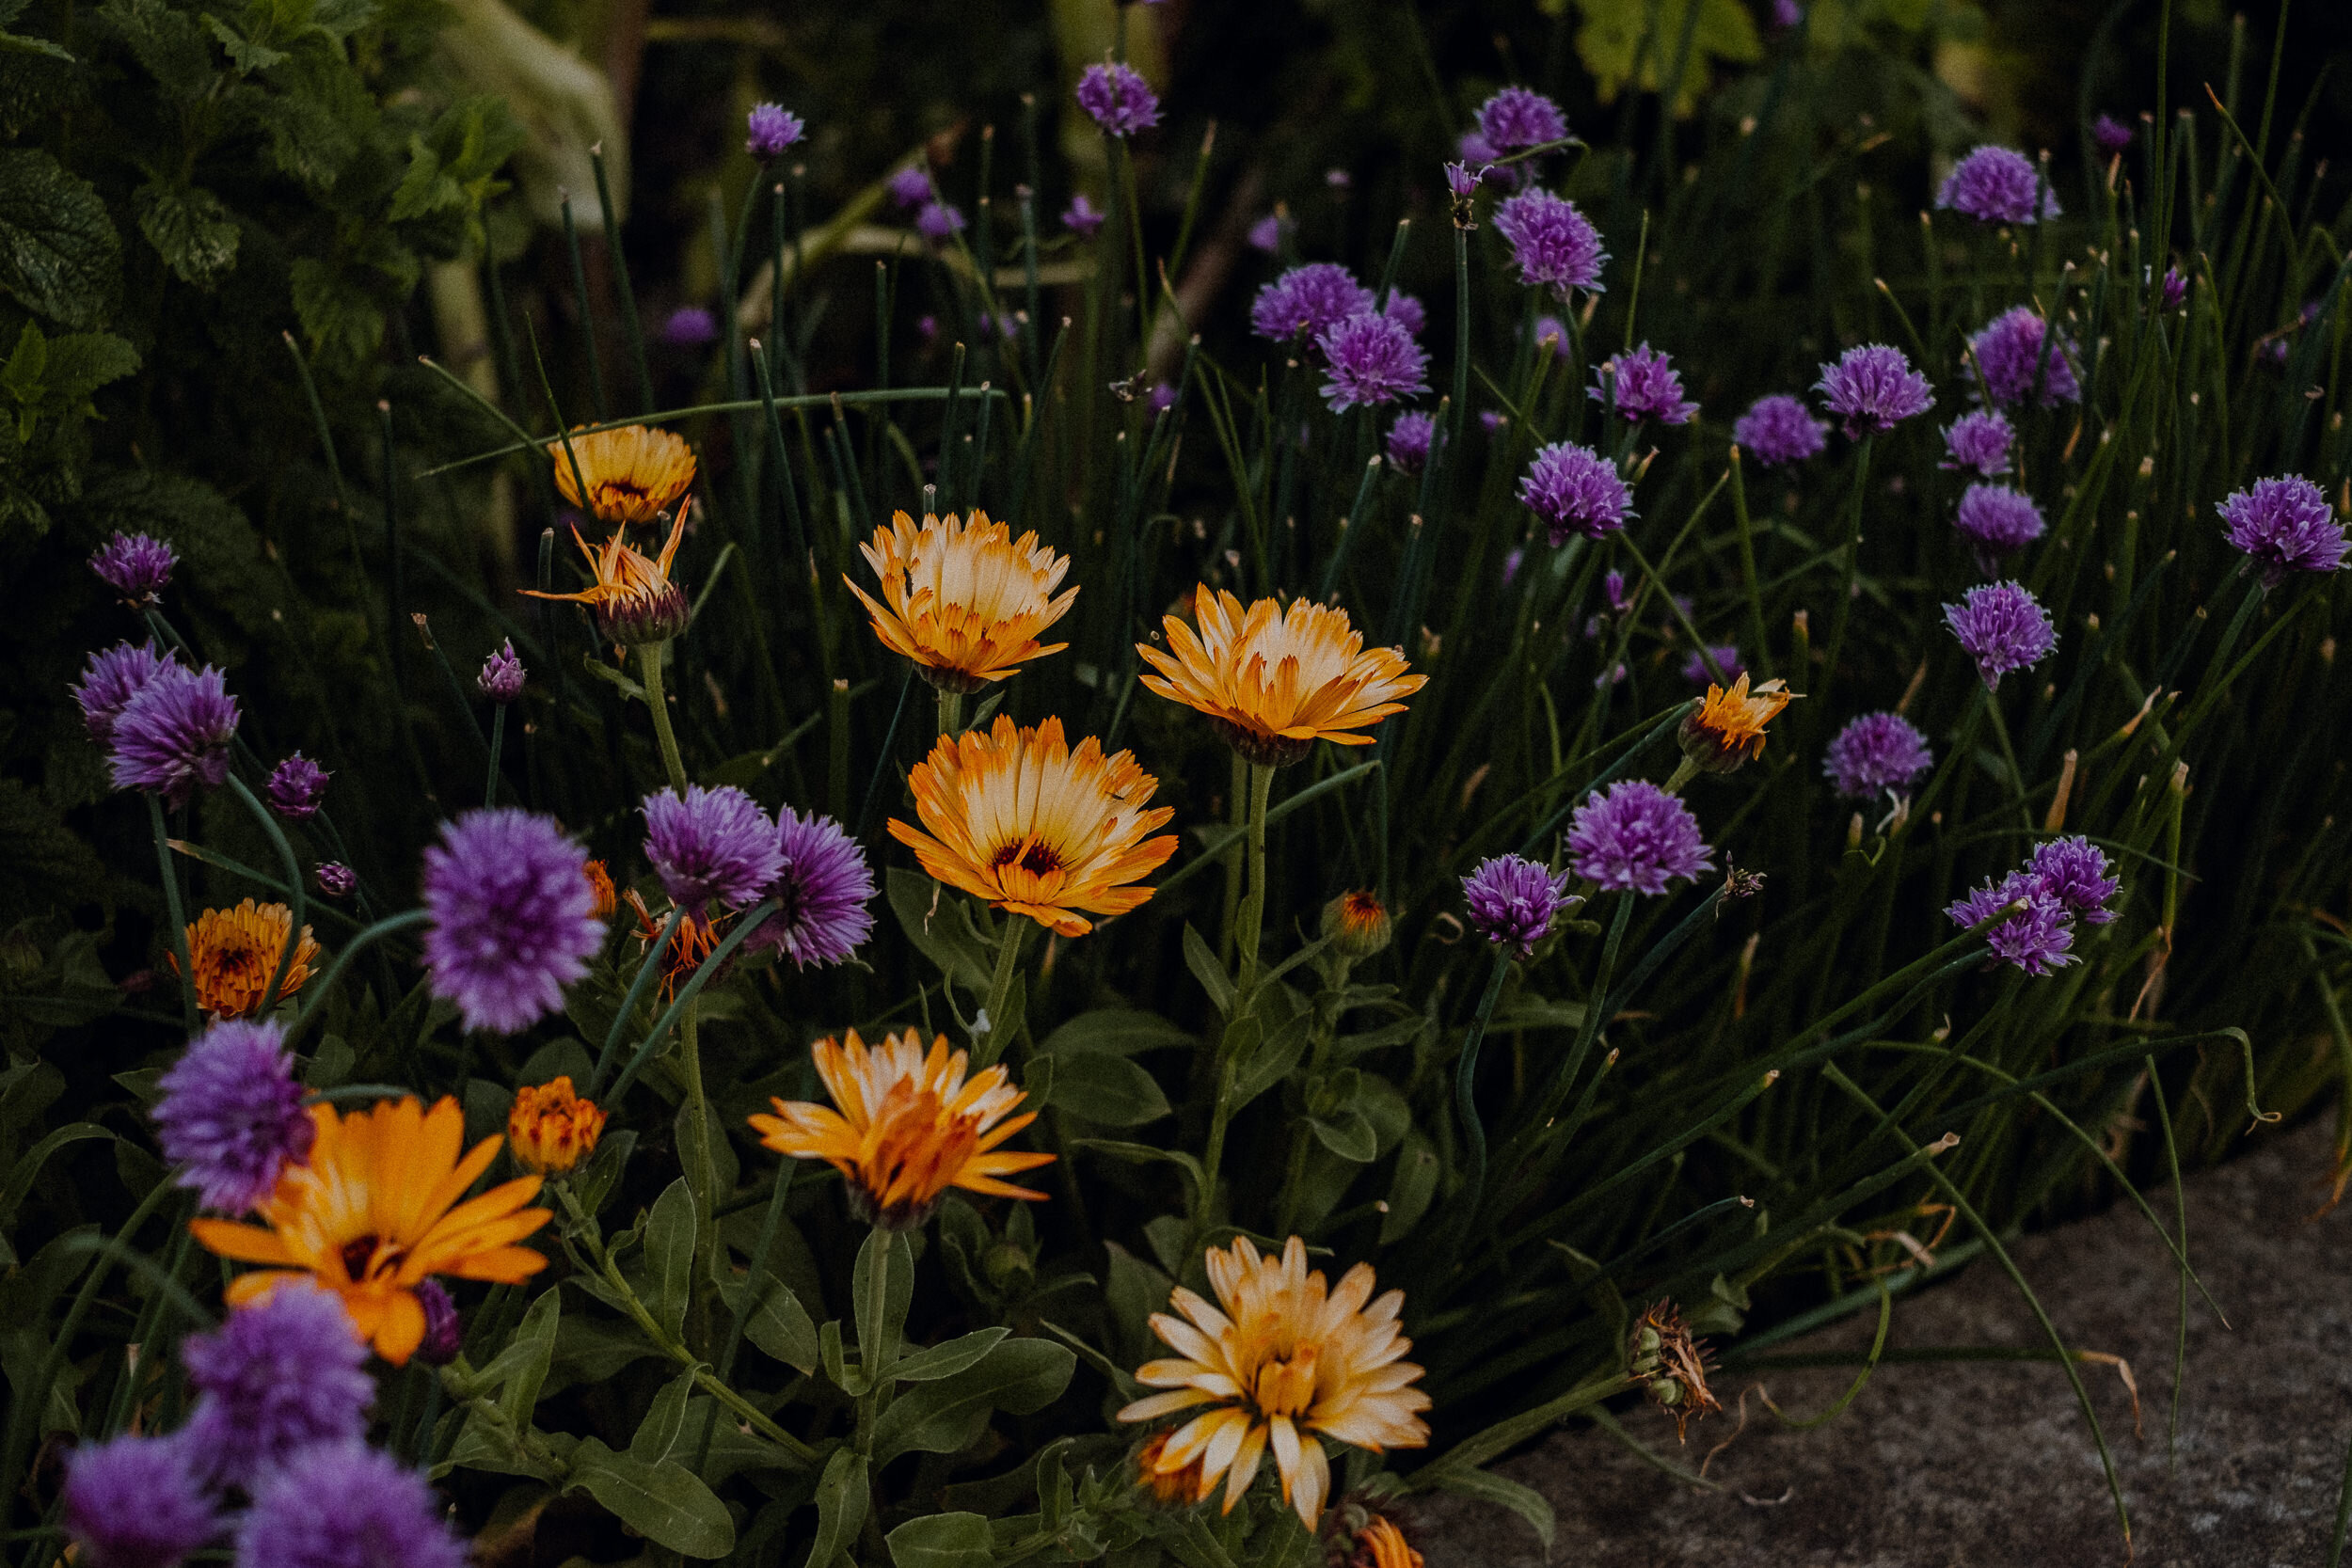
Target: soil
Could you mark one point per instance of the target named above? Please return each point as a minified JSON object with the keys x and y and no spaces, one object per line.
{"x":1991,"y":1465}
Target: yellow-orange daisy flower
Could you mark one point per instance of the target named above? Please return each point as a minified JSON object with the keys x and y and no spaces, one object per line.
{"x":235,"y":952}
{"x":633,"y":474}
{"x":963,"y":601}
{"x":1016,"y":818}
{"x":1728,"y":727}
{"x":905,"y":1126}
{"x":550,"y":1129}
{"x":633,"y":599}
{"x":1274,"y":681}
{"x":1286,"y":1359}
{"x":375,"y":1211}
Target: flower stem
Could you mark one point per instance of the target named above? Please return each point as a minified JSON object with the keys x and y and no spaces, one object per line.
{"x":988,"y":1047}
{"x":295,"y":897}
{"x":649,"y":676}
{"x":173,"y":909}
{"x":1466,"y":1084}
{"x":950,"y":713}
{"x":325,"y":984}
{"x":1851,"y":548}
{"x":497,"y":744}
{"x":1252,"y":923}
{"x":705,"y":1170}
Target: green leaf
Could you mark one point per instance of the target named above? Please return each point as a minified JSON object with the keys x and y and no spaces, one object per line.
{"x":1121,"y":1031}
{"x":594,"y":1183}
{"x":21,"y":1176}
{"x":946,"y":1360}
{"x":1097,"y":1086}
{"x":843,"y":1497}
{"x":521,"y":1366}
{"x":661,"y":1502}
{"x":59,"y":255}
{"x":1612,"y":37}
{"x":656,"y":1435}
{"x":28,"y":370}
{"x":939,"y":923}
{"x":775,"y":1322}
{"x":670,"y":1255}
{"x":1522,"y":1500}
{"x":941,"y":1541}
{"x":1348,"y":1135}
{"x":80,"y":363}
{"x":1145,"y":1153}
{"x":167,"y":42}
{"x":1272,"y":1059}
{"x":1021,"y":1376}
{"x":883,"y":1289}
{"x":1409,"y":1192}
{"x":190,"y":227}
{"x":249,"y":55}
{"x":338,"y":316}
{"x":1202,"y":960}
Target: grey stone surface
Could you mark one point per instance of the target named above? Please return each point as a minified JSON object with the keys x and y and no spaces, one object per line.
{"x":1991,"y":1465}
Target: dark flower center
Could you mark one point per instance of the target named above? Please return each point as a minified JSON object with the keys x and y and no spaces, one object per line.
{"x":1035,"y":858}
{"x":360,"y":1252}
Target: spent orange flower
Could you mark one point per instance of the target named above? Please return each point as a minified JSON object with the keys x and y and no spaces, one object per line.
{"x":1274,"y":680}
{"x":633,"y":474}
{"x":633,"y":599}
{"x":1016,"y":818}
{"x":904,"y":1126}
{"x":550,"y":1129}
{"x":693,"y":941}
{"x":1727,"y":729}
{"x":235,"y":952}
{"x":1279,"y":1360}
{"x":963,"y":601}
{"x":601,"y":884}
{"x":1379,"y":1544}
{"x":376,"y":1212}
{"x":1174,"y":1488}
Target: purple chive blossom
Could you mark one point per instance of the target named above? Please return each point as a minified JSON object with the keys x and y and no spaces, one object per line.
{"x":1779,"y":429}
{"x":1694,"y":669}
{"x":1786,"y":13}
{"x":231,"y":1117}
{"x":1266,"y":234}
{"x":939,"y":222}
{"x":1082,"y":217}
{"x":1517,"y":118}
{"x":444,"y":1331}
{"x":1512,"y":563}
{"x":1979,"y":441}
{"x":136,"y":1502}
{"x":295,"y":787}
{"x":1160,"y":399}
{"x":174,"y":733}
{"x":2075,"y":870}
{"x":824,"y":890}
{"x":1409,"y":440}
{"x":1513,"y":901}
{"x":1339,"y":178}
{"x":1876,"y":753}
{"x":513,"y":919}
{"x":502,"y":677}
{"x":1995,"y":185}
{"x":1492,"y":420}
{"x":2009,"y":355}
{"x":135,"y":565}
{"x":280,"y":1376}
{"x":1554,"y":245}
{"x":1553,"y":331}
{"x":1648,"y":385}
{"x":2003,"y":627}
{"x":1307,"y":301}
{"x":711,"y":844}
{"x":2111,"y":134}
{"x":769,"y":128}
{"x":1873,"y":388}
{"x":689,"y":327}
{"x":1461,"y":180}
{"x":1403,"y":308}
{"x":1371,"y":359}
{"x":1576,"y":490}
{"x":1612,"y":585}
{"x":1997,"y":521}
{"x":1476,"y":149}
{"x":911,"y":186}
{"x":111,"y":678}
{"x":345,"y":1505}
{"x":2174,"y":289}
{"x":1635,"y":838}
{"x":335,"y":879}
{"x":2284,"y":525}
{"x":1120,"y":100}
{"x":2037,"y":938}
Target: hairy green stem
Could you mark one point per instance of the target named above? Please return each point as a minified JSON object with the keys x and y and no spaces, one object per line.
{"x":989,"y":1047}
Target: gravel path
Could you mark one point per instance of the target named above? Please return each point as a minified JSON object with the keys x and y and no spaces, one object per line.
{"x":1987,"y":1465}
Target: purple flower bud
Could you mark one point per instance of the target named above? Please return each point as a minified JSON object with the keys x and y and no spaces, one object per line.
{"x":1119,"y":98}
{"x":1636,"y":838}
{"x":1160,"y":399}
{"x":502,"y":677}
{"x":2010,"y":356}
{"x":135,"y":565}
{"x":1997,"y":521}
{"x":822,"y":892}
{"x":1371,"y":359}
{"x":911,"y":186}
{"x":1266,"y":234}
{"x":513,"y":917}
{"x":109,"y":681}
{"x":2174,"y":289}
{"x":1786,"y":14}
{"x":770,"y":128}
{"x":1517,"y":118}
{"x":1307,"y":301}
{"x":295,"y":787}
{"x":1462,"y":180}
{"x":231,"y":1117}
{"x":1513,"y":901}
{"x":1779,"y":429}
{"x":1553,"y":244}
{"x":2075,"y":870}
{"x":335,"y":879}
{"x":136,"y":1502}
{"x":710,"y":843}
{"x":690,"y":326}
{"x":1082,"y":217}
{"x":444,"y":1331}
{"x":1403,"y":308}
{"x":2111,"y":134}
{"x":2036,"y":940}
{"x":174,"y":733}
{"x":1694,"y":669}
{"x":1409,"y":440}
{"x":281,"y":1375}
{"x":939,"y":222}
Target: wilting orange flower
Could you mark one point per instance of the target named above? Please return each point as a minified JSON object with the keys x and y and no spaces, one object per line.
{"x":550,"y":1129}
{"x":375,"y":1211}
{"x":633,"y":474}
{"x":1672,"y":1366}
{"x":963,"y":601}
{"x":601,"y":884}
{"x":1175,"y":1488}
{"x":1381,"y":1545}
{"x":690,"y":944}
{"x":1284,"y":1360}
{"x":1274,"y":681}
{"x":1728,"y":727}
{"x":633,"y":599}
{"x":234,"y":953}
{"x":1018,"y":819}
{"x":908,"y":1126}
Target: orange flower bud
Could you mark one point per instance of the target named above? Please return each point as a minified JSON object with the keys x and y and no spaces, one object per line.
{"x":550,"y":1129}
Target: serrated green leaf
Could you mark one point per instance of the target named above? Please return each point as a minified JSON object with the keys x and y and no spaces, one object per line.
{"x":190,"y":227}
{"x":1612,"y":37}
{"x":1121,"y":1031}
{"x":520,"y":1369}
{"x":337,"y":317}
{"x":248,"y":53}
{"x":59,"y":255}
{"x":167,"y":42}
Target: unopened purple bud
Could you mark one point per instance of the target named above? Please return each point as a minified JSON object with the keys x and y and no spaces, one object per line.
{"x":1082,"y":217}
{"x":911,"y":186}
{"x":771,"y":128}
{"x":335,"y":879}
{"x":690,"y":326}
{"x":295,"y":787}
{"x":444,"y":1331}
{"x":939,"y":222}
{"x":2111,"y":134}
{"x":502,"y":677}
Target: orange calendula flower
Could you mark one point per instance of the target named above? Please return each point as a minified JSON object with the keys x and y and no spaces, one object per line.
{"x":963,"y":601}
{"x":1274,"y":681}
{"x":601,"y":884}
{"x":1284,"y":1359}
{"x":1357,"y":923}
{"x":1380,"y":1545}
{"x":550,"y":1129}
{"x":633,"y":474}
{"x":908,"y":1126}
{"x":1727,"y":729}
{"x":234,"y":953}
{"x":377,"y":1212}
{"x":633,"y":599}
{"x":1016,"y":818}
